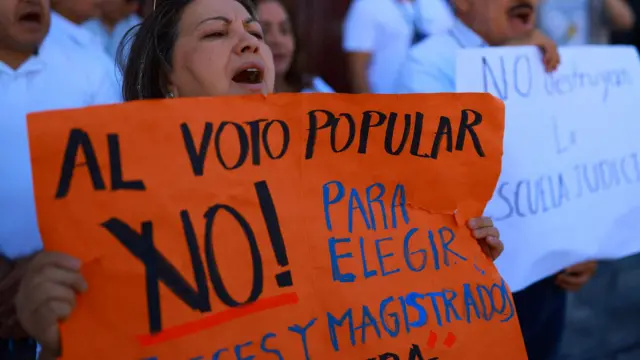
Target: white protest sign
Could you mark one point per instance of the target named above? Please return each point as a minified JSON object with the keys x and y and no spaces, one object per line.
{"x":570,"y":184}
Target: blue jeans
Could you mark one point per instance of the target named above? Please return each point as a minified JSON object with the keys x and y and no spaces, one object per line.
{"x":541,"y":311}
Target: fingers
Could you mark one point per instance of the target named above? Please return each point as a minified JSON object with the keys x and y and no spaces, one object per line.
{"x":480,"y":222}
{"x":572,"y":282}
{"x":47,"y":295}
{"x":551,"y":63}
{"x":64,"y":277}
{"x":484,"y":233}
{"x":50,"y":283}
{"x":55,"y":259}
{"x":567,"y":287}
{"x":46,"y":318}
{"x":43,"y":290}
{"x":589,"y":266}
{"x":576,"y":276}
{"x":483,"y":230}
{"x":551,"y":58}
{"x":496,"y":246}
{"x":41,"y":312}
{"x":492,"y":247}
{"x":550,"y":55}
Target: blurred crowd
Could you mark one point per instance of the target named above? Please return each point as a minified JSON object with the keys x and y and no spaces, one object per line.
{"x":391,"y":46}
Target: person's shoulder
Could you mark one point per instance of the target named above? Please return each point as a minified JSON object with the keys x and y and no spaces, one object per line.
{"x":84,"y":59}
{"x":84,"y":71}
{"x":372,"y":8}
{"x":436,"y":48}
{"x":69,"y":33}
{"x":429,"y":67}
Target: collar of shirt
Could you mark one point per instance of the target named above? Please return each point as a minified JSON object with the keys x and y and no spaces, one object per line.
{"x":95,"y":25}
{"x":465,"y":37}
{"x":33,"y":64}
{"x":64,"y":32}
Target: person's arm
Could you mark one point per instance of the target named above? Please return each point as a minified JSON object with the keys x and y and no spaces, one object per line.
{"x":11,"y":274}
{"x":358,"y":63}
{"x":359,"y":43}
{"x":619,"y":14}
{"x":549,"y":49}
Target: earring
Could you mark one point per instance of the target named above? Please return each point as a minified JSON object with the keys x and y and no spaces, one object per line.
{"x":170,"y":95}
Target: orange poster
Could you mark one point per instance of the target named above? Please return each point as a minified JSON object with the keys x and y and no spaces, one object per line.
{"x":316,"y":226}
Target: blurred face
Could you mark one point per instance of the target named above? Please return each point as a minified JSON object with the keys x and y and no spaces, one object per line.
{"x":116,"y":10}
{"x":278,"y":34}
{"x":77,"y":11}
{"x":220,"y":51}
{"x":499,"y":21}
{"x":23,"y":24}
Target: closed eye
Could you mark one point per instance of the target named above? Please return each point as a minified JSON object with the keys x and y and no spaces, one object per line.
{"x":217,"y":34}
{"x":258,"y":35}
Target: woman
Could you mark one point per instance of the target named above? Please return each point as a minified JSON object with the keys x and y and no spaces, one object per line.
{"x":184,"y":48}
{"x":281,"y":36}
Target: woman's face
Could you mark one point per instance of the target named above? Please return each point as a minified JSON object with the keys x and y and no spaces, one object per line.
{"x":278,"y":34}
{"x":220,"y":51}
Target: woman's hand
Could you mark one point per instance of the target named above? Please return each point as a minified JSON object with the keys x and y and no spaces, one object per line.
{"x":487,"y":235}
{"x":575,"y":277}
{"x":47,"y":295}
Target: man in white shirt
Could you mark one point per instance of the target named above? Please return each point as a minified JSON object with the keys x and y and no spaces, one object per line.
{"x":116,"y":18}
{"x":80,"y":43}
{"x":378,"y":33}
{"x":35,"y":75}
{"x":65,"y":32}
{"x":430,"y":65}
{"x":429,"y":68}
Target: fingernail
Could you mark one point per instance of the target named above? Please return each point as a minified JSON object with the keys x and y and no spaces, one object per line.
{"x":84,"y":287}
{"x":492,"y":239}
{"x":76,"y":264}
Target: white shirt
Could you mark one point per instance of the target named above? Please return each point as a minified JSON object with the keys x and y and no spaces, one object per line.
{"x":566,"y":22}
{"x":54,"y":79}
{"x":430,"y":66}
{"x":384,"y":28}
{"x":110,"y":39}
{"x":318,"y":85}
{"x":74,"y":39}
{"x":65,"y":32}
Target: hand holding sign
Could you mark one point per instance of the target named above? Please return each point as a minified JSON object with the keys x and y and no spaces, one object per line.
{"x":47,"y":295}
{"x":292,"y":227}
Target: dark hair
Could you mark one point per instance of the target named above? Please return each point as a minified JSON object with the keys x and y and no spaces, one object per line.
{"x":145,"y":55}
{"x":297,"y":76}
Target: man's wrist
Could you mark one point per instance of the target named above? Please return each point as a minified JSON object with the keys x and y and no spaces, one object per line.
{"x":12,"y":272}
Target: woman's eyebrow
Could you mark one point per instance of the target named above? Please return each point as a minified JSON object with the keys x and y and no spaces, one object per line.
{"x":225,"y":20}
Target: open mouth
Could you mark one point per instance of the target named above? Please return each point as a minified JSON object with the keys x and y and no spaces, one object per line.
{"x":31,"y":17}
{"x":251,"y":75}
{"x":522,"y":13}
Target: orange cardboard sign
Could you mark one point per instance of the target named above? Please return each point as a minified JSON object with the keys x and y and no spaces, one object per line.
{"x":299,"y":226}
